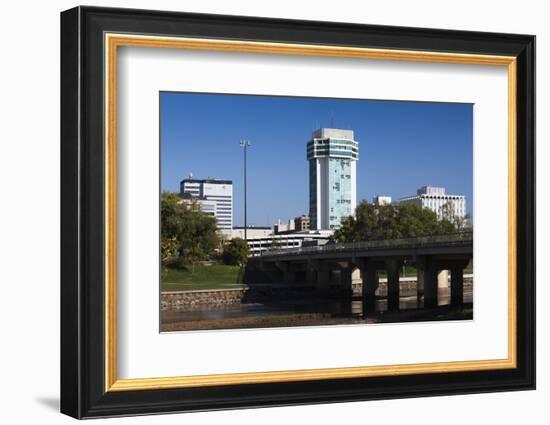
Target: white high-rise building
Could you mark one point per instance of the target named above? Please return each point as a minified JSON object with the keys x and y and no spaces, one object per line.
{"x":332,"y":154}
{"x":218,"y":191}
{"x":438,"y":201}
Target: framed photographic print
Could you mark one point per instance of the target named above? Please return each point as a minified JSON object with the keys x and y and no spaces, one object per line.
{"x":261,"y":212}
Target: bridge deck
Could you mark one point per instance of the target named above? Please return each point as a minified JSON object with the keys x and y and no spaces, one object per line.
{"x":461,"y":243}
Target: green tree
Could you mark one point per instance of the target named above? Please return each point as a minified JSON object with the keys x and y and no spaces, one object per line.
{"x":185,"y":230}
{"x":169,"y":249}
{"x":193,"y":255}
{"x":235,"y":252}
{"x":448,"y":213}
{"x":415,"y":221}
{"x":378,"y":222}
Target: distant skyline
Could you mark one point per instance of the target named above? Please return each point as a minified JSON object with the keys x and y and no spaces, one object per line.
{"x":402,"y":146}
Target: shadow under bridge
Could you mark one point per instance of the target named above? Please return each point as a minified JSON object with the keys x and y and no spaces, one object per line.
{"x":334,"y":267}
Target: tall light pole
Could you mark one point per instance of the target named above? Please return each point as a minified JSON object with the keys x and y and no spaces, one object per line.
{"x":245,"y":144}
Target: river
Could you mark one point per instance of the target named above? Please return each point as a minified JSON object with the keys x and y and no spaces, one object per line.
{"x":304,"y":310}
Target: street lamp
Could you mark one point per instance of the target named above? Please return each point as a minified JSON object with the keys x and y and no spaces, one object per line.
{"x":245,"y":144}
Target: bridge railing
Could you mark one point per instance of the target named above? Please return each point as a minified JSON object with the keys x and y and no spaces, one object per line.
{"x":423,"y":241}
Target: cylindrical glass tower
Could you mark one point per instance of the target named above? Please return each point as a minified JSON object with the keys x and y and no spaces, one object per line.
{"x":332,"y":154}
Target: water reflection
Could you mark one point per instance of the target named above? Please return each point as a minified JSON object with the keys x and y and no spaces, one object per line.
{"x":332,"y":308}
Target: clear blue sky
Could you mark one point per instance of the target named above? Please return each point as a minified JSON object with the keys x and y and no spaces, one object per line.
{"x":402,"y":146}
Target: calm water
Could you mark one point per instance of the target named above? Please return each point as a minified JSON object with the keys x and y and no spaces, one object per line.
{"x":332,"y":308}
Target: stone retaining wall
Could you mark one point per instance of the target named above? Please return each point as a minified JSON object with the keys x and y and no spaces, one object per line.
{"x":221,"y":297}
{"x":179,"y":299}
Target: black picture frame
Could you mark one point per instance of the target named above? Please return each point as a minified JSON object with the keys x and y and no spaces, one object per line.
{"x":83,"y":392}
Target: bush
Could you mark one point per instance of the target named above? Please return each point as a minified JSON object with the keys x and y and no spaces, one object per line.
{"x":236,"y":252}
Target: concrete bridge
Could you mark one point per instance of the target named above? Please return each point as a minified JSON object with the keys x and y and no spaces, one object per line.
{"x":330,"y":267}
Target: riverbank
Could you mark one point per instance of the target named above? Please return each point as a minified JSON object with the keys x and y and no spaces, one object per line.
{"x":275,"y":321}
{"x":205,"y":277}
{"x":445,"y":312}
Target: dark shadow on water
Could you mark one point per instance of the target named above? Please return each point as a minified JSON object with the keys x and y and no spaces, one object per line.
{"x":49,"y":402}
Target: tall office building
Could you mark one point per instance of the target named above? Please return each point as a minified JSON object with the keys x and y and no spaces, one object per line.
{"x":218,"y":191}
{"x":435,"y":198}
{"x":332,"y":154}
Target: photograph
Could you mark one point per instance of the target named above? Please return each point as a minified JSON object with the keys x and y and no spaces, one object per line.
{"x":283,"y":211}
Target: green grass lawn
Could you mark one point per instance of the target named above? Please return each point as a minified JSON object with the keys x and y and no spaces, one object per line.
{"x":216,"y":276}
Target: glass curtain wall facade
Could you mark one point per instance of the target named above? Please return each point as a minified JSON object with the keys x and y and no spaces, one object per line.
{"x":332,"y":155}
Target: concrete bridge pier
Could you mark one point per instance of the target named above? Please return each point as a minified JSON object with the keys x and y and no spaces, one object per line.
{"x":430,"y":287}
{"x":457,"y":286}
{"x":370,"y":285}
{"x":457,"y":282}
{"x":270,"y":270}
{"x":346,"y":271}
{"x":289,"y":275}
{"x":311,"y":276}
{"x":393,"y":267}
{"x":369,"y":276}
{"x":419,"y":286}
{"x":434,"y":272}
{"x":323,"y":278}
{"x":323,"y":274}
{"x":429,"y":271}
{"x":345,"y":287}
